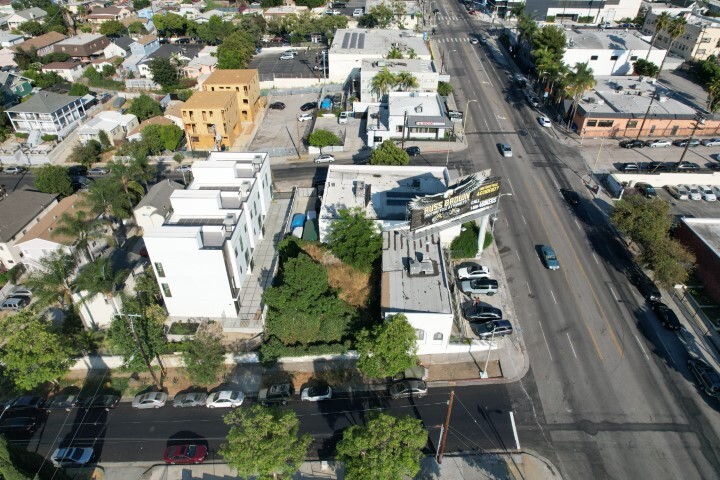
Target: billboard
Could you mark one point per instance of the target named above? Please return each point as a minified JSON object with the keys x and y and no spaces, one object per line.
{"x":471,"y":194}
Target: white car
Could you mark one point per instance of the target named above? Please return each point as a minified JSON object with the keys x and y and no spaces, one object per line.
{"x":707,"y":194}
{"x":225,"y":399}
{"x":545,"y":121}
{"x":474,"y":41}
{"x":305,"y":117}
{"x":316,"y":394}
{"x":658,"y":143}
{"x":184,"y":169}
{"x":150,"y":400}
{"x":325,"y":158}
{"x":287,"y":56}
{"x":711,"y":142}
{"x":358,"y":12}
{"x":14,"y":170}
{"x":693,"y":192}
{"x":97,"y":171}
{"x":473,"y":271}
{"x":71,"y":457}
{"x":679,"y":193}
{"x":716,"y":191}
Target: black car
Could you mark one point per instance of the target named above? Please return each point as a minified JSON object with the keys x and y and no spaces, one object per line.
{"x":630,"y":167}
{"x":648,"y":289}
{"x":686,"y":167}
{"x":412,"y":151}
{"x":705,"y":376}
{"x":713,"y":166}
{"x":279,"y":393}
{"x":482,"y":313}
{"x":18,"y":425}
{"x":277,"y":106}
{"x":28,"y":402}
{"x":408,"y":388}
{"x":101,"y":401}
{"x":667,"y":317}
{"x":646,"y":190}
{"x":77,"y":170}
{"x":681,"y":143}
{"x":61,"y":402}
{"x":632,"y":144}
{"x":308,"y":106}
{"x":657,"y":167}
{"x":570,"y":196}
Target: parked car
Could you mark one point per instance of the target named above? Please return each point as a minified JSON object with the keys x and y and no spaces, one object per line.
{"x":632,"y":144}
{"x":316,"y":394}
{"x":101,"y":401}
{"x":408,"y":389}
{"x":413,"y":151}
{"x":667,"y":317}
{"x":648,"y":289}
{"x":21,"y":291}
{"x":711,"y":142}
{"x":482,"y":313}
{"x":505,"y":150}
{"x":694,"y":192}
{"x":493,"y":328}
{"x":185,"y":454}
{"x":691,"y":141}
{"x":184,"y":400}
{"x":344,"y":117}
{"x":277,"y":106}
{"x":305,"y":117}
{"x":686,"y":167}
{"x":287,"y":56}
{"x":77,"y":170}
{"x":544,"y":122}
{"x":658,"y":143}
{"x":657,"y":167}
{"x":306,"y":107}
{"x":61,"y":402}
{"x":14,"y":170}
{"x":14,"y":303}
{"x":549,"y":257}
{"x":570,"y":196}
{"x":298,"y":220}
{"x":479,"y":286}
{"x":324,"y":158}
{"x":679,"y":192}
{"x":225,"y":399}
{"x":716,"y":191}
{"x":150,"y":400}
{"x":97,"y":171}
{"x":15,"y":425}
{"x":279,"y":393}
{"x":705,"y":376}
{"x":416,"y":372}
{"x":473,"y":271}
{"x":29,"y":402}
{"x":707,"y":193}
{"x":646,"y":190}
{"x":630,"y":167}
{"x":184,"y":169}
{"x":71,"y":457}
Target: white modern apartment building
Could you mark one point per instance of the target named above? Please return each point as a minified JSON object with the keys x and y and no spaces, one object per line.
{"x":423,"y":71}
{"x":700,"y":40}
{"x":571,"y":10}
{"x":203,"y":250}
{"x":609,"y":52}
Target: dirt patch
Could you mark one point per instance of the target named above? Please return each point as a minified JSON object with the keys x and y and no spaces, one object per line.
{"x":354,"y":286}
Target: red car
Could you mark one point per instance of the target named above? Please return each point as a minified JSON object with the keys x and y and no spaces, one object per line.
{"x":185,"y":454}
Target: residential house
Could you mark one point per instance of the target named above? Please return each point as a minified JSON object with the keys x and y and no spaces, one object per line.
{"x":188,"y":11}
{"x":173,"y":112}
{"x":283,"y":11}
{"x":70,"y":71}
{"x":139,"y":49}
{"x":6,"y":7}
{"x":43,"y":44}
{"x":147,"y":23}
{"x":136,"y":133}
{"x":118,"y":47}
{"x":211,"y":120}
{"x":180,"y":54}
{"x":84,"y":47}
{"x":245,"y":83}
{"x":148,"y":12}
{"x":153,"y":208}
{"x":14,"y":88}
{"x":115,"y":124}
{"x":21,"y":16}
{"x":200,"y":67}
{"x":202,"y":250}
{"x":206,"y":16}
{"x":47,"y":113}
{"x":20,"y":210}
{"x":75,"y":7}
{"x":7,"y":58}
{"x":98,"y":16}
{"x":100,"y":63}
{"x":10,"y":39}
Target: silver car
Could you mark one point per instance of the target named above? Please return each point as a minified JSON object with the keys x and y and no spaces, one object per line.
{"x":693,"y":192}
{"x":506,"y":150}
{"x":711,"y":142}
{"x":190,"y":400}
{"x":678,"y":192}
{"x":658,"y":143}
{"x":150,"y":400}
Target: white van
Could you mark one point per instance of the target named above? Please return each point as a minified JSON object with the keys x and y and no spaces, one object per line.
{"x":343,"y":118}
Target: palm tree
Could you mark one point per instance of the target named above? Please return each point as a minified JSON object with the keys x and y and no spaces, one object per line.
{"x":661,"y":23}
{"x":527,"y":28}
{"x":99,"y":277}
{"x":406,"y":81}
{"x":394,"y":54}
{"x":675,"y":30}
{"x":382,"y":82}
{"x":713,"y":101}
{"x":82,"y":228}
{"x":105,"y":198}
{"x":579,"y":82}
{"x":126,"y":176}
{"x":54,"y":281}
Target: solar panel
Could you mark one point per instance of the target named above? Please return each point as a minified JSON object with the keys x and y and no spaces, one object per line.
{"x":346,"y":40}
{"x":353,"y":40}
{"x":361,"y":41}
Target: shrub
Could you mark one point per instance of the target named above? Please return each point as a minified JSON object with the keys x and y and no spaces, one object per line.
{"x":49,"y":138}
{"x":274,"y":349}
{"x":488,"y":240}
{"x":22,"y":135}
{"x":323,"y":138}
{"x":444,"y":89}
{"x":585,"y":19}
{"x":550,"y":19}
{"x":465,"y":244}
{"x":183,"y":328}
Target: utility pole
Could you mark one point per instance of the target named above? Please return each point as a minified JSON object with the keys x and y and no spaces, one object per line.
{"x":445,"y":427}
{"x":129,"y":317}
{"x":404,"y":128}
{"x":297,"y":125}
{"x":699,"y":120}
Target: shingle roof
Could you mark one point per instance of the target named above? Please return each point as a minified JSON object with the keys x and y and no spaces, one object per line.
{"x":40,"y":42}
{"x":150,"y":121}
{"x":32,"y":13}
{"x":159,"y":196}
{"x":147,"y":39}
{"x":167,"y":50}
{"x":123,"y":42}
{"x":43,"y":102}
{"x":45,"y":227}
{"x":19,"y":208}
{"x":61,"y":65}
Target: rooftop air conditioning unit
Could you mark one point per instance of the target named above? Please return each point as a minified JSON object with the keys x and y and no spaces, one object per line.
{"x":600,"y":101}
{"x":418,"y":109}
{"x":591,"y":100}
{"x":421,"y":267}
{"x":381,"y":64}
{"x":229,"y":222}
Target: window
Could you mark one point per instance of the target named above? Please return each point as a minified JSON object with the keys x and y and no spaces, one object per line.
{"x":194,"y":139}
{"x":633,"y":58}
{"x":438,"y":337}
{"x":605,"y":123}
{"x":632,"y":124}
{"x":166,"y":290}
{"x":247,"y":257}
{"x":159,"y":269}
{"x":420,"y":334}
{"x":613,"y":57}
{"x":592,"y":123}
{"x":398,"y":128}
{"x":594,"y":57}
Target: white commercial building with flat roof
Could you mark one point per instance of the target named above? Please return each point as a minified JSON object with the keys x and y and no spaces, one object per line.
{"x":203,"y":250}
{"x":609,"y":52}
{"x":423,"y":71}
{"x":353,"y":45}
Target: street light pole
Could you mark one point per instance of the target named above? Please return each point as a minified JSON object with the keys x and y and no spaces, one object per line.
{"x":484,"y":373}
{"x":699,"y":120}
{"x":497,"y":209}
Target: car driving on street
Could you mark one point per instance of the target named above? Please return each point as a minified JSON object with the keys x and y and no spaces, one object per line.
{"x":549,"y":257}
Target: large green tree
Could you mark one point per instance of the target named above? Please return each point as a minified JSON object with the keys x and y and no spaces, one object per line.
{"x":644,"y":221}
{"x":388,"y":348}
{"x":8,"y":471}
{"x":386,"y":447}
{"x":355,"y":239}
{"x":32,"y":353}
{"x":323,"y":138}
{"x":54,"y":282}
{"x":389,"y":154}
{"x":162,"y":137}
{"x":164,"y":73}
{"x":264,"y":442}
{"x":215,"y":30}
{"x":86,"y":154}
{"x":100,"y":277}
{"x":113,"y":28}
{"x":145,"y":107}
{"x":204,"y":358}
{"x":670,"y":262}
{"x":236,"y":51}
{"x":53,"y":179}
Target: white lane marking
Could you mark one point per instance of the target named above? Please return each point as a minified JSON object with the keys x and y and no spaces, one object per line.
{"x":553,"y":295}
{"x":512,"y":421}
{"x":596,"y":260}
{"x":578,"y":225}
{"x":506,"y":222}
{"x":641,"y":347}
{"x":523,"y":217}
{"x":613,"y":294}
{"x":556,"y":184}
{"x":528,"y":285}
{"x":518,"y":255}
{"x":571,"y":345}
{"x":511,"y":187}
{"x":546,"y":342}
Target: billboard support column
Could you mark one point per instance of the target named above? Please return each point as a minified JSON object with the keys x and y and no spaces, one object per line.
{"x":482,"y":223}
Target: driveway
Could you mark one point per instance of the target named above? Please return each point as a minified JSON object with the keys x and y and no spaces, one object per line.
{"x":280,"y":128}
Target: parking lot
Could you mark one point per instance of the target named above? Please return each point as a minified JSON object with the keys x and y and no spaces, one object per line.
{"x":280,"y":128}
{"x":268,"y":63}
{"x":690,"y":208}
{"x":611,"y":157}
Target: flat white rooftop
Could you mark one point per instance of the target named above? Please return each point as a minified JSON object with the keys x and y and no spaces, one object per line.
{"x":414,"y":65}
{"x":605,"y":40}
{"x":376,"y":42}
{"x":415,"y":104}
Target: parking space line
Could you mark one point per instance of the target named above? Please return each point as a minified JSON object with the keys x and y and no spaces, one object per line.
{"x":571,"y":344}
{"x":546,"y":342}
{"x":641,"y":347}
{"x":553,"y":295}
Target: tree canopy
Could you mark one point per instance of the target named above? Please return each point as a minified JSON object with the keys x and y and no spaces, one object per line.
{"x":113,"y":28}
{"x":86,"y":154}
{"x":323,"y":138}
{"x":388,"y":348}
{"x":354,"y":239}
{"x":158,"y":138}
{"x":53,"y":179}
{"x":164,"y":72}
{"x":54,"y":282}
{"x":8,"y":470}
{"x":386,"y":447}
{"x":145,"y":107}
{"x":204,"y":358}
{"x":644,"y":221}
{"x":389,"y":154}
{"x":236,"y":51}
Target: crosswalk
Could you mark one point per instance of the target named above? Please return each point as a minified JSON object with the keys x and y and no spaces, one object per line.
{"x":447,"y":18}
{"x":451,"y":39}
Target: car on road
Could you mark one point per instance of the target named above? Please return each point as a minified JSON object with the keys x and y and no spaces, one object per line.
{"x":287,"y":56}
{"x":632,"y":144}
{"x":15,"y":425}
{"x":101,"y":401}
{"x":225,"y":399}
{"x":686,"y":167}
{"x":279,"y":393}
{"x":544,"y":122}
{"x":77,"y":170}
{"x":570,"y":196}
{"x":630,"y":167}
{"x":479,"y":286}
{"x":305,"y":117}
{"x":549,"y":257}
{"x":483,"y":40}
{"x":324,"y":158}
{"x":679,"y":192}
{"x":184,"y":169}
{"x":413,"y":151}
{"x":61,"y":402}
{"x":14,"y":170}
{"x":71,"y":457}
{"x":505,"y":150}
{"x":408,"y":389}
{"x":667,"y":317}
{"x":646,"y":190}
{"x":474,"y":41}
{"x":184,"y":400}
{"x":688,"y":141}
{"x":647,"y":287}
{"x":711,"y":142}
{"x":316,"y":393}
{"x":658,"y":143}
{"x":705,"y":376}
{"x":29,"y":402}
{"x":473,"y":271}
{"x":150,"y":400}
{"x":694,"y":192}
{"x":482,"y":313}
{"x":707,"y":193}
{"x":185,"y":454}
{"x":97,"y":171}
{"x":493,"y":328}
{"x":653,"y":167}
{"x":277,"y":106}
{"x":306,"y":107}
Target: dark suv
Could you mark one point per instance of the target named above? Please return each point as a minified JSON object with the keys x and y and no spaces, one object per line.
{"x":705,"y":376}
{"x":648,"y":289}
{"x":279,"y":393}
{"x":667,"y":317}
{"x":77,"y":170}
{"x":646,"y":190}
